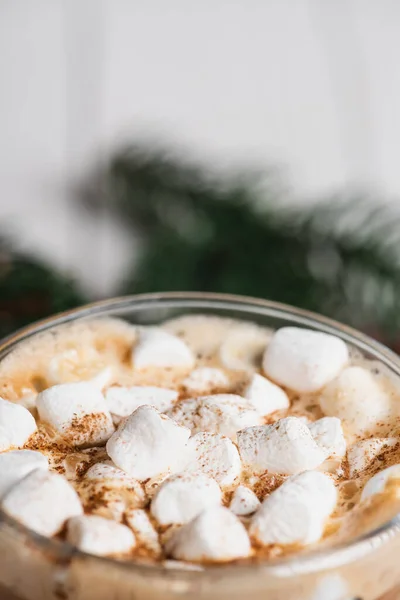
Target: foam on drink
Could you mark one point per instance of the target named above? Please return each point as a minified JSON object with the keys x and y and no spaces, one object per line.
{"x":215,"y":423}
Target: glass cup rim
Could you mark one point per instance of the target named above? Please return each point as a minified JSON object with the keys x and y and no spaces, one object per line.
{"x":313,"y":561}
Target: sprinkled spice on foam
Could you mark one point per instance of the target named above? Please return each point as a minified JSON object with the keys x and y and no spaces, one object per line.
{"x":224,"y":410}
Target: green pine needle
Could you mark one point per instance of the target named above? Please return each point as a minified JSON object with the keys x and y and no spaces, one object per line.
{"x":30,"y":290}
{"x":339,"y":258}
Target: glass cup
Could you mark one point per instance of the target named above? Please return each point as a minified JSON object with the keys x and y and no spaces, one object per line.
{"x":36,"y":568}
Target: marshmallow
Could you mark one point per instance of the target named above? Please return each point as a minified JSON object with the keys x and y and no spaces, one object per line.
{"x":285,"y":447}
{"x":16,"y":425}
{"x":216,"y":535}
{"x":295,"y":513}
{"x":362,"y":454}
{"x":77,"y":411}
{"x":357,"y":399}
{"x":304,"y":419}
{"x":42,"y":501}
{"x":103,"y":378}
{"x":328,"y":434}
{"x":220,"y":413}
{"x":111,"y":506}
{"x":99,"y":536}
{"x":377,"y":483}
{"x":143,"y":529}
{"x":214,"y":455}
{"x":243,"y":347}
{"x":16,"y":464}
{"x":147,"y":444}
{"x":304,"y":360}
{"x":205,"y":379}
{"x":113,"y":477}
{"x":123,"y":401}
{"x":158,"y":348}
{"x":265,"y":396}
{"x":244,"y":501}
{"x":106,"y":471}
{"x":182,"y":497}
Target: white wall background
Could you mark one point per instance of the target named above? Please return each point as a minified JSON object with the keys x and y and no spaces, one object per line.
{"x":311,"y":84}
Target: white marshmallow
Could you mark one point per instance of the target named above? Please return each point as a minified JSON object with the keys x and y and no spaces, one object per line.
{"x":110,"y":507}
{"x":377,"y":483}
{"x":99,"y":536}
{"x":216,"y":534}
{"x":304,"y":360}
{"x":148,"y":444}
{"x":295,"y":513}
{"x":205,"y":379}
{"x":243,"y":347}
{"x":214,"y":455}
{"x":42,"y":501}
{"x":182,"y":497}
{"x":158,"y":348}
{"x":123,"y":401}
{"x":244,"y":501}
{"x":362,"y":454}
{"x":113,"y":477}
{"x":304,"y":419}
{"x":328,"y":434}
{"x":16,"y":425}
{"x":357,"y":399}
{"x":220,"y":413}
{"x":16,"y":464}
{"x":143,"y":528}
{"x":106,"y":471}
{"x":77,"y":411}
{"x":103,"y":378}
{"x":265,"y":396}
{"x":285,"y":447}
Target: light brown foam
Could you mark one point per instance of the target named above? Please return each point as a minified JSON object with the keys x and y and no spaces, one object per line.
{"x":25,"y":370}
{"x":108,"y":343}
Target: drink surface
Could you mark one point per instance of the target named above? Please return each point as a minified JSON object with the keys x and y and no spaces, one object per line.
{"x":203,"y":441}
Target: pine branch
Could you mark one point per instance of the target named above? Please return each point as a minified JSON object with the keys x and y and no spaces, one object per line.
{"x":31,"y":290}
{"x":339,"y":258}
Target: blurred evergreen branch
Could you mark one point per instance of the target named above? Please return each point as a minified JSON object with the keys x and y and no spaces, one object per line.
{"x":31,"y":290}
{"x":201,"y":232}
